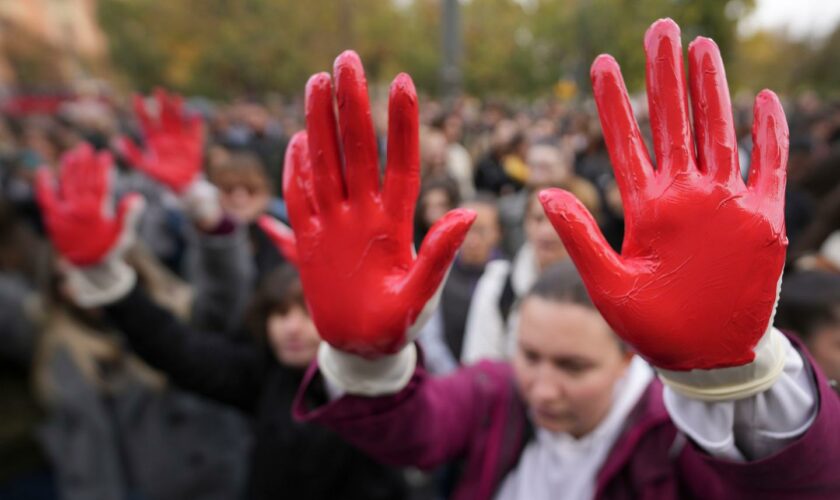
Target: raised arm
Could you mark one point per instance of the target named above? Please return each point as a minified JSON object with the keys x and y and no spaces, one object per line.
{"x":203,"y":362}
{"x":91,"y":239}
{"x":364,"y":286}
{"x":220,"y":265}
{"x":366,"y":290}
{"x":695,"y":286}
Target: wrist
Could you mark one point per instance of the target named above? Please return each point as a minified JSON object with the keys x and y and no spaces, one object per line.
{"x":360,"y":376}
{"x":100,"y":284}
{"x":736,"y":382}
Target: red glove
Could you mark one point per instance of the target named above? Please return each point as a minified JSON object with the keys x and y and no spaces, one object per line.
{"x":698,"y":275}
{"x":173,"y":154}
{"x":363,"y":285}
{"x":77,"y":212}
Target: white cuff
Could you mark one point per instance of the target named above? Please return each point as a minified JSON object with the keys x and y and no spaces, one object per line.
{"x":365,"y":377}
{"x":754,"y":427}
{"x":736,"y":382}
{"x":100,"y":284}
{"x":201,"y":202}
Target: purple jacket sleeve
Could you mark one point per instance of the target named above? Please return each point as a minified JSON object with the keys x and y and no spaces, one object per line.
{"x":807,"y":468}
{"x":432,"y":420}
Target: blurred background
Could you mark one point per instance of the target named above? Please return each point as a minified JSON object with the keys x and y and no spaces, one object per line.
{"x":511,"y":48}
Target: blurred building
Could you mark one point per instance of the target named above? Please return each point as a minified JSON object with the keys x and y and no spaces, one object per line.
{"x":49,"y":43}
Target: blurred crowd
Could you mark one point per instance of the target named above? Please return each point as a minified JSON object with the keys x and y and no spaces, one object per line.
{"x":94,"y":411}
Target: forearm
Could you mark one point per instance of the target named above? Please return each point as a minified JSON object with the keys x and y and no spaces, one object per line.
{"x":207,"y":364}
{"x":222,"y":275}
{"x":423,"y":421}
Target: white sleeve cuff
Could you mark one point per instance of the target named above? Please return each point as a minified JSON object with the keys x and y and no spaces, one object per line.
{"x":754,"y":427}
{"x":736,"y":382}
{"x":352,"y":374}
{"x":201,"y":202}
{"x":100,"y":284}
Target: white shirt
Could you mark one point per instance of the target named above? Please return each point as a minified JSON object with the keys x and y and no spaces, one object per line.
{"x":556,"y":466}
{"x":486,"y":335}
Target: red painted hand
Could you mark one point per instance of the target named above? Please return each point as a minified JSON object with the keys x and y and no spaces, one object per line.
{"x":77,"y":211}
{"x":363,"y":285}
{"x":173,"y":154}
{"x":697,"y":279}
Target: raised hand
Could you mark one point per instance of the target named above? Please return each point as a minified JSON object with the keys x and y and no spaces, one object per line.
{"x":173,"y":153}
{"x":363,"y":285}
{"x":697,"y":279}
{"x":78,"y":212}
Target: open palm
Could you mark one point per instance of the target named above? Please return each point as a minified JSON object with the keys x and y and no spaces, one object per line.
{"x":698,"y":274}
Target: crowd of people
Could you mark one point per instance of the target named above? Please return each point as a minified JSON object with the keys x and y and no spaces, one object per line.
{"x":185,"y":383}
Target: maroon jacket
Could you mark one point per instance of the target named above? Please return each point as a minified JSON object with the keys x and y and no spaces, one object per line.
{"x":476,"y":414}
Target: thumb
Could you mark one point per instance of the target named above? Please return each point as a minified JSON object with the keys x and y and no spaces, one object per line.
{"x":131,"y":152}
{"x":436,"y":254}
{"x":45,"y":190}
{"x":282,"y":236}
{"x":128,"y":216}
{"x":596,"y":261}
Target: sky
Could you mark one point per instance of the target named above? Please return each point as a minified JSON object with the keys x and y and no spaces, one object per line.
{"x":800,"y":18}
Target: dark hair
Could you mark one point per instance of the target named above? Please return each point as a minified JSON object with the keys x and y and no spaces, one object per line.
{"x":561,"y":282}
{"x":482,"y":198}
{"x":442,"y":182}
{"x":278,"y":292}
{"x":808,"y":301}
{"x":239,"y":160}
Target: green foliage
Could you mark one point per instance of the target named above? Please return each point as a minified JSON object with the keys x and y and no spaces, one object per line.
{"x":223,"y":48}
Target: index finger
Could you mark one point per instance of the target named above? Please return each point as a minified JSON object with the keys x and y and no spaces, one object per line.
{"x":628,"y":154}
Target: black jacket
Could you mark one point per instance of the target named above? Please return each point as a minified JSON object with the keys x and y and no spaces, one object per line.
{"x":290,"y":459}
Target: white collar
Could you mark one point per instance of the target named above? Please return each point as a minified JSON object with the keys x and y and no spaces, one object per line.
{"x":626,"y":394}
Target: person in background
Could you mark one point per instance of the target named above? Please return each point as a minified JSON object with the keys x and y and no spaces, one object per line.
{"x":258,"y":379}
{"x":124,"y":428}
{"x":245,"y":192}
{"x":492,"y":317}
{"x":458,"y":160}
{"x":549,"y":165}
{"x":692,"y":293}
{"x":25,"y":472}
{"x":492,"y":170}
{"x":809,"y":306}
{"x":443,"y":336}
{"x":434,"y":162}
{"x":438,"y":195}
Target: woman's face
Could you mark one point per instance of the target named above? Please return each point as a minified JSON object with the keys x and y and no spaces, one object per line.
{"x":293,"y":337}
{"x":483,"y":236}
{"x":242,"y":194}
{"x":435,"y":204}
{"x":566,"y":365}
{"x":548,"y":247}
{"x":547,"y":166}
